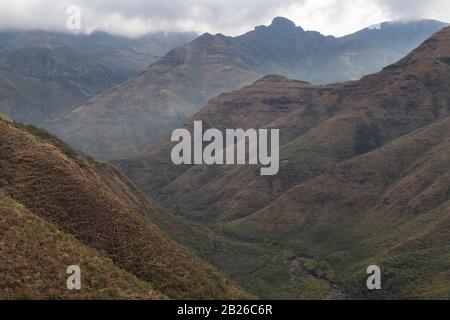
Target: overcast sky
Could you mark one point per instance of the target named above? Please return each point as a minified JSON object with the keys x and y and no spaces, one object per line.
{"x":230,"y":17}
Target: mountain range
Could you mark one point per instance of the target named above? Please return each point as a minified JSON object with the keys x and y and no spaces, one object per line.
{"x":364,"y":179}
{"x":364,"y":165}
{"x":43,"y":75}
{"x":127,"y":119}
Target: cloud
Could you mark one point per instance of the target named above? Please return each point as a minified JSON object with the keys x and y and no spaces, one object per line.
{"x":232,"y":17}
{"x":417,"y":9}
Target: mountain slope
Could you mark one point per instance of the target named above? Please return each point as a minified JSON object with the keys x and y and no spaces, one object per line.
{"x":253,"y":106}
{"x":344,"y":121}
{"x":35,"y":256}
{"x":394,"y":201}
{"x":363,"y":178}
{"x":129,"y":118}
{"x":127,"y":56}
{"x":95,"y":203}
{"x":45,"y":74}
{"x":43,"y":77}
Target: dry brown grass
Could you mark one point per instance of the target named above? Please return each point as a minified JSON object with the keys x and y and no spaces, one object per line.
{"x":35,"y":254}
{"x":92,"y":201}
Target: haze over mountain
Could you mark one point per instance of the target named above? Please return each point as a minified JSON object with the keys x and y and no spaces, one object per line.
{"x":60,"y":208}
{"x":125,"y":120}
{"x":364,"y":179}
{"x":45,"y":74}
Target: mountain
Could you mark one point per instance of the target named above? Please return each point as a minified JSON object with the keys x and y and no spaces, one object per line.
{"x":127,"y":119}
{"x":45,"y":74}
{"x":42,"y":77}
{"x":364,"y":178}
{"x":35,"y":255}
{"x":127,"y":56}
{"x":60,"y":208}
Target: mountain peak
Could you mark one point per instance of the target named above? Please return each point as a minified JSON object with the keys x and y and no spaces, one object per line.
{"x":283,"y":23}
{"x":206,"y":39}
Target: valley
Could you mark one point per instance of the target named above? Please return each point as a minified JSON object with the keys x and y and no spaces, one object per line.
{"x":127,"y":157}
{"x":350,"y":153}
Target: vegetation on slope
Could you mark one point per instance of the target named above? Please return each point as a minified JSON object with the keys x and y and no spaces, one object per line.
{"x":127,"y":119}
{"x":364,"y":178}
{"x":34,"y":256}
{"x":93,"y":202}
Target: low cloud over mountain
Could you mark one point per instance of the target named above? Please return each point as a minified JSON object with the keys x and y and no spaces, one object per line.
{"x":136,"y":17}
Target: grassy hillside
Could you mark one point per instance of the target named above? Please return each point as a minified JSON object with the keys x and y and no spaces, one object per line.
{"x":34,"y":256}
{"x":96,"y":204}
{"x":388,"y":207}
{"x":363,"y":180}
